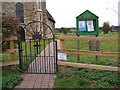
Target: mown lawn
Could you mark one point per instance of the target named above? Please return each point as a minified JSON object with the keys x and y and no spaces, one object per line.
{"x":86,"y":78}
{"x":105,"y":46}
{"x":69,"y":77}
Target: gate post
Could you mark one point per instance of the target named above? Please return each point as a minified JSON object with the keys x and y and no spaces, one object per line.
{"x":20,"y":54}
{"x":21,"y":37}
{"x":12,"y":56}
{"x":56,"y":56}
{"x":62,"y":43}
{"x":62,"y":46}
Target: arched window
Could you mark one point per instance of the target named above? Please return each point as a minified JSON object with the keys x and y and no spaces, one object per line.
{"x":20,"y":12}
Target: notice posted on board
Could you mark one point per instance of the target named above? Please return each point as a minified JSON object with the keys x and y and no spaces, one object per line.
{"x":82,"y":25}
{"x":90,"y":25}
{"x":86,"y":25}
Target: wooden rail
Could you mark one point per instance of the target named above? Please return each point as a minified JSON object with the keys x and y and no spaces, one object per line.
{"x":10,"y":39}
{"x":90,"y":66}
{"x":62,"y":39}
{"x":87,"y":38}
{"x":9,"y":63}
{"x":89,"y":52}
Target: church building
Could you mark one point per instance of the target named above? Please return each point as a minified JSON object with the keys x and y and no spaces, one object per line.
{"x":26,"y":11}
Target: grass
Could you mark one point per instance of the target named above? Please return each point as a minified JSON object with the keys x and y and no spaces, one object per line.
{"x":85,"y":78}
{"x":12,"y":78}
{"x":105,"y":46}
{"x":109,"y":35}
{"x":6,"y":57}
{"x":27,"y":50}
{"x":69,"y":77}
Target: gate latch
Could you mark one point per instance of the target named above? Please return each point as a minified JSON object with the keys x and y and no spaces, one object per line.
{"x":21,"y":50}
{"x":37,"y":45}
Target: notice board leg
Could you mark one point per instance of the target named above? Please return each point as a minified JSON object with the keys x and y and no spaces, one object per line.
{"x":96,"y":49}
{"x":78,"y":45}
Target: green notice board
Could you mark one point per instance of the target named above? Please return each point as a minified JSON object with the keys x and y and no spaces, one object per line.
{"x":87,"y":24}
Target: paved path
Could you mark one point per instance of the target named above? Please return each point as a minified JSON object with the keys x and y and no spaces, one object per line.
{"x":37,"y":80}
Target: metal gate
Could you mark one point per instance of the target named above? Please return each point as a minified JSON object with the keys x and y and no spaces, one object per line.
{"x":37,"y":48}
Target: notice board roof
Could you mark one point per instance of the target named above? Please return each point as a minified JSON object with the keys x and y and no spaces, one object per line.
{"x":87,"y":15}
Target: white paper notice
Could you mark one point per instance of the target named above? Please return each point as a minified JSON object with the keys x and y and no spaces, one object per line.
{"x":90,"y":25}
{"x":62,"y":56}
{"x":82,"y":25}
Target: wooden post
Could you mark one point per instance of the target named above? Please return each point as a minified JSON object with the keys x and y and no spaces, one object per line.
{"x":94,"y":46}
{"x":12,"y":56}
{"x":62,"y":43}
{"x":62,"y":46}
{"x":97,"y":48}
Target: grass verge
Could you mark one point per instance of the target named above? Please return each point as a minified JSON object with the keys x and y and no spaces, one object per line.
{"x":69,"y":77}
{"x":86,"y":78}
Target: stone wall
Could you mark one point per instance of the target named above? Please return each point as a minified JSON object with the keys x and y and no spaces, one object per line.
{"x":29,"y":10}
{"x":8,"y":8}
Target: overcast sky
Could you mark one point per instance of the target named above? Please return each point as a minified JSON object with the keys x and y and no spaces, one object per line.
{"x":66,"y":11}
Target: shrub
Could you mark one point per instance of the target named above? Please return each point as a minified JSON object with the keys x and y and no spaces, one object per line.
{"x":64,"y":30}
{"x":10,"y":81}
{"x":10,"y":26}
{"x":10,"y":78}
{"x":106,"y":28}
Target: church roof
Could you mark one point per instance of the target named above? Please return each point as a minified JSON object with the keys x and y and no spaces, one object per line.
{"x":50,"y":16}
